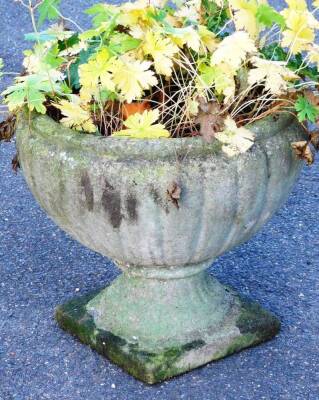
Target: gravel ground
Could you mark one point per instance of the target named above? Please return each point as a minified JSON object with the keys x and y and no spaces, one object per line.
{"x":41,"y":267}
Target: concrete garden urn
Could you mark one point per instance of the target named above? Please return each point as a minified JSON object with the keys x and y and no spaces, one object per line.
{"x":165,"y":314}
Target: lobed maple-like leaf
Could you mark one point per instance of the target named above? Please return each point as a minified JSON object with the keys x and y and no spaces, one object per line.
{"x":162,"y":51}
{"x":48,"y":9}
{"x":306,"y":110}
{"x":29,"y":90}
{"x":142,"y":126}
{"x":273,"y":74}
{"x":96,"y":75}
{"x":245,"y":15}
{"x":235,"y":140}
{"x":221,"y":77}
{"x":233,"y":49}
{"x":300,"y":26}
{"x":76,"y":116}
{"x":132,"y":77}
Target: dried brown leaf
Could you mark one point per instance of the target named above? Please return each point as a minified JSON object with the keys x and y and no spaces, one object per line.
{"x":314,"y":139}
{"x":174,"y":193}
{"x":7,"y":128}
{"x":211,"y":119}
{"x":303,"y":151}
{"x":312,"y":98}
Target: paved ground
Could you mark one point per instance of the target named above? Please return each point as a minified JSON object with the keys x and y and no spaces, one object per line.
{"x":40,"y":267}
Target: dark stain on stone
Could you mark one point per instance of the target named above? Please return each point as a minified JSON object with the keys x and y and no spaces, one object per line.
{"x":108,"y":185}
{"x":276,"y":117}
{"x":88,"y":190}
{"x":254,"y":320}
{"x":111,"y":202}
{"x":157,"y":198}
{"x":195,"y":344}
{"x":58,"y":205}
{"x":267,"y":164}
{"x":131,"y":206}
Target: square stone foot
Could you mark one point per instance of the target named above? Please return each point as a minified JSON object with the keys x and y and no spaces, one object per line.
{"x":247,"y":324}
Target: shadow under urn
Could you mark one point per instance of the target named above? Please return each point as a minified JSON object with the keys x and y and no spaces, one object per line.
{"x":164,"y":315}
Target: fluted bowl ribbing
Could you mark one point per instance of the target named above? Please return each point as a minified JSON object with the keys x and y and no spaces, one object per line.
{"x":111,"y":194}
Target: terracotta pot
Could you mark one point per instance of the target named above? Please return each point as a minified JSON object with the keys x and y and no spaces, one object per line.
{"x":133,"y":108}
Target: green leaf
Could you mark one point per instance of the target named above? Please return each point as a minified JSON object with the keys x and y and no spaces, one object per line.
{"x":306,"y":110}
{"x":101,"y":13}
{"x":215,"y":17}
{"x":296,"y":63}
{"x":274,"y":52}
{"x":35,"y":100}
{"x":121,"y":43}
{"x":83,"y":58}
{"x":52,"y":58}
{"x":48,"y":10}
{"x":208,"y":74}
{"x":268,"y":16}
{"x":157,"y":15}
{"x":39,"y":36}
{"x":31,"y":91}
{"x":69,"y":42}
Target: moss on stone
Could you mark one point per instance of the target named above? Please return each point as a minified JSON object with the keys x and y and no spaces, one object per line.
{"x":255,"y":320}
{"x":254,"y":324}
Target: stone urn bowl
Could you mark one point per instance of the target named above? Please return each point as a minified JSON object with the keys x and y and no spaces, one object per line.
{"x":163,"y":210}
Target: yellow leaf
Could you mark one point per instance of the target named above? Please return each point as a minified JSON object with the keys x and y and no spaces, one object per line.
{"x":162,"y":51}
{"x":132,"y":77}
{"x":75,"y":115}
{"x":208,"y":38}
{"x":297,"y":5}
{"x":187,"y":36}
{"x":235,"y":140}
{"x":190,"y":10}
{"x":298,"y":36}
{"x":233,"y":50}
{"x":245,"y":15}
{"x":273,"y":74}
{"x":34,"y":62}
{"x":140,"y":126}
{"x":313,"y":54}
{"x":96,"y":76}
{"x":300,"y":26}
{"x":134,"y":13}
{"x":191,"y":107}
{"x":222,"y":78}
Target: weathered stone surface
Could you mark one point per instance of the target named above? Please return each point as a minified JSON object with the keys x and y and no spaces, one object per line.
{"x":164,"y":314}
{"x":111,"y":193}
{"x":245,"y":324}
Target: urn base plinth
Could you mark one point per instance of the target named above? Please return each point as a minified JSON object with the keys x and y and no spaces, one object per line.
{"x":153,"y":356}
